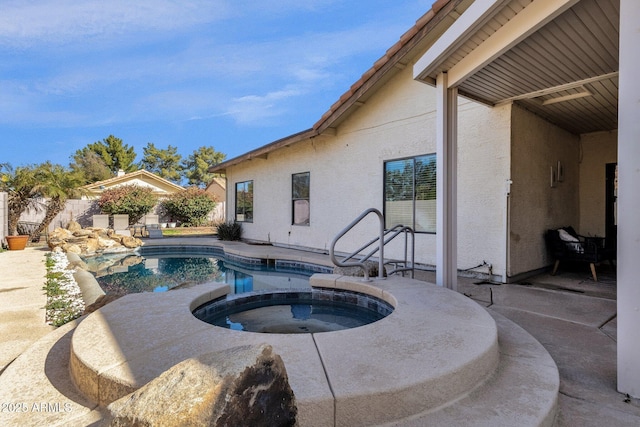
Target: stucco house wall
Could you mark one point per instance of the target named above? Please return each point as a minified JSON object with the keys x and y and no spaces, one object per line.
{"x":537,"y":147}
{"x":597,"y":149}
{"x":346,"y":174}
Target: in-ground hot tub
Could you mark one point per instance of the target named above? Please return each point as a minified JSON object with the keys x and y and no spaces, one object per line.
{"x":434,"y":359}
{"x":288,"y":311}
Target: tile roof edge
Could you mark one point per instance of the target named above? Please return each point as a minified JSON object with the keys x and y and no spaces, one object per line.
{"x":390,"y":55}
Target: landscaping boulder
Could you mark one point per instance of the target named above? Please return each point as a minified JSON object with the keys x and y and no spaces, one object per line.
{"x":91,"y":241}
{"x":241,"y":386}
{"x":73,"y":226}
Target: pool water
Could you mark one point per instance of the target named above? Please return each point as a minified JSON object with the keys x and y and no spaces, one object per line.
{"x":294,"y":312}
{"x":133,"y":273}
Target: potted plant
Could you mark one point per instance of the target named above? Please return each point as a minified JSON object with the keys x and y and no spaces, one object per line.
{"x":17,"y":243}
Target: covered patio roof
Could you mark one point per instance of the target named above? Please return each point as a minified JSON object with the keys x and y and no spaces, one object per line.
{"x":574,"y":63}
{"x":556,"y":58}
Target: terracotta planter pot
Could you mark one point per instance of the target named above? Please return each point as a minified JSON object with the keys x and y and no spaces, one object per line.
{"x":17,"y":243}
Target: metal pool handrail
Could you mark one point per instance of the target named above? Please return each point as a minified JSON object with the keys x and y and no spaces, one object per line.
{"x":397,"y":230}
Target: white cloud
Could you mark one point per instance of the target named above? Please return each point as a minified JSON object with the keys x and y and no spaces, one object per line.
{"x":23,"y":23}
{"x":189,"y":72}
{"x":256,"y":109}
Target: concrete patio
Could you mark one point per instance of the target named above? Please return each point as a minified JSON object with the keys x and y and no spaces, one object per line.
{"x":570,"y":315}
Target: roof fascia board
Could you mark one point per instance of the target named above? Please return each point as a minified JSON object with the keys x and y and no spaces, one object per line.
{"x":262,"y":152}
{"x":456,"y":34}
{"x":529,"y":20}
{"x":392,"y":66}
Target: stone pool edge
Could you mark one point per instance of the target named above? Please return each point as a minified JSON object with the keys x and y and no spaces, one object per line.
{"x":330,"y":373}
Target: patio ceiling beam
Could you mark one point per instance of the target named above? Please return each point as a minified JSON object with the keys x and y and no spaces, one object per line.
{"x":525,"y":23}
{"x":560,"y":88}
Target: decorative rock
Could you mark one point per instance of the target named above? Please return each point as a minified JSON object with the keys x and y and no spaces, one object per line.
{"x":81,"y":233}
{"x":73,"y":226}
{"x":130,"y":242}
{"x":245,"y":385}
{"x":91,"y":241}
{"x":93,"y":245}
{"x":74,"y":249}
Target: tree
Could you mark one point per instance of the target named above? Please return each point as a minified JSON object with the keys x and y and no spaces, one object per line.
{"x":190,"y":206}
{"x":90,"y":166}
{"x":115,"y":154}
{"x":22,"y":187}
{"x":196,"y":166}
{"x":58,"y":185}
{"x":131,"y":200}
{"x":164,"y":163}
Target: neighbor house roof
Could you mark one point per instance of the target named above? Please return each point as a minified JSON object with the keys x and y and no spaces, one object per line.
{"x":143,"y":178}
{"x":217,"y":187}
{"x":425,"y":31}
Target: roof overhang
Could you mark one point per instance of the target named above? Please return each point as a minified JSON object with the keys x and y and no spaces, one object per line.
{"x":556,"y":58}
{"x":412,"y":43}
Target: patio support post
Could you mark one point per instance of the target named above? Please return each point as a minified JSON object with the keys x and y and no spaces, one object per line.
{"x":628,"y":200}
{"x":446,"y":183}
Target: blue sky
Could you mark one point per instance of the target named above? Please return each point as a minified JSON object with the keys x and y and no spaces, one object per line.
{"x":232,"y":74}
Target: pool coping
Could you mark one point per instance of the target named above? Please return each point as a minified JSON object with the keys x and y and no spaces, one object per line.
{"x":363,"y":376}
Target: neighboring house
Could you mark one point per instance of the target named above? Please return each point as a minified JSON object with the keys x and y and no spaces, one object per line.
{"x":161,"y":187}
{"x":218,"y":187}
{"x":530,"y":116}
{"x":83,"y":210}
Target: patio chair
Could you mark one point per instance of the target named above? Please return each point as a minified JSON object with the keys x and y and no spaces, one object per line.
{"x":100,"y":221}
{"x":121,"y":225}
{"x":566,"y":245}
{"x":152,"y":227}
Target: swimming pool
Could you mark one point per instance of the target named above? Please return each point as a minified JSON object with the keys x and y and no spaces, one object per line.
{"x":159,"y":269}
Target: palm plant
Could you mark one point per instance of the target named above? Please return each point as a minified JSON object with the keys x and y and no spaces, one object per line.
{"x":58,"y":185}
{"x":23,"y":187}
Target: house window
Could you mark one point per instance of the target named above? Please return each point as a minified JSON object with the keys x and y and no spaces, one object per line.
{"x":244,"y":201}
{"x":300,"y":198}
{"x":410,"y":193}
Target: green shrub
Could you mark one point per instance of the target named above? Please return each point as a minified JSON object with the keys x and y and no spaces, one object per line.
{"x":190,"y":207}
{"x":131,"y":200}
{"x":229,"y":231}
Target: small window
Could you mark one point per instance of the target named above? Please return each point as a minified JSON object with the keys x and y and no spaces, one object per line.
{"x":244,"y":201}
{"x":300,"y":198}
{"x":410,"y":193}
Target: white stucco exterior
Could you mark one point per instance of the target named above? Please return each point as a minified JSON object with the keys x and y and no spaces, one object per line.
{"x":507,"y":174}
{"x":597,"y":150}
{"x":495,"y":146}
{"x":346,"y":172}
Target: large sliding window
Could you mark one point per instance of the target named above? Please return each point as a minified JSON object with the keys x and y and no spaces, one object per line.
{"x":300,"y":198}
{"x":410,"y":193}
{"x":244,"y":201}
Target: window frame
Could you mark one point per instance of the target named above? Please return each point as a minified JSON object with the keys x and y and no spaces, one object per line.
{"x":295,"y":199}
{"x":249,"y":187}
{"x":431,"y":159}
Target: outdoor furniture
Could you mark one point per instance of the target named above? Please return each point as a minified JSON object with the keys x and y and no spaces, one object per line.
{"x":152,"y":227}
{"x":101,"y":221}
{"x":138,"y":230}
{"x":121,"y":225}
{"x":566,"y":245}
